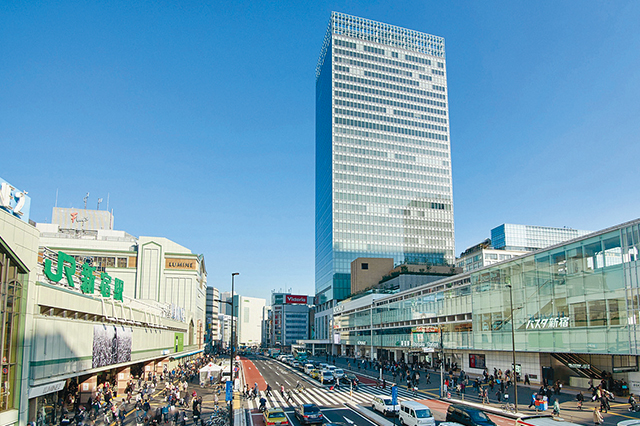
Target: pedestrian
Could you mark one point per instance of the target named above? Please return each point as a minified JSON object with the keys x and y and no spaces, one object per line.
{"x":597,"y":416}
{"x":526,"y":379}
{"x":580,"y":399}
{"x":485,"y":397}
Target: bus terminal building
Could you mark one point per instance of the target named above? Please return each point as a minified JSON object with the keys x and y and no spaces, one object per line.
{"x":574,"y":314}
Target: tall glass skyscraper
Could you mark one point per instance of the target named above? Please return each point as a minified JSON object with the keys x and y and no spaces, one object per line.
{"x":383,"y":157}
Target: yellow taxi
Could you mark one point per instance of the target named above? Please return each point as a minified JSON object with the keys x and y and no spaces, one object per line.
{"x":275,"y":417}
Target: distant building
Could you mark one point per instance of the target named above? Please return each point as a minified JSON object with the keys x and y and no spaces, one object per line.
{"x":404,"y":277}
{"x":290,"y":317}
{"x":366,"y":272}
{"x":225,"y":329}
{"x":529,"y":238}
{"x":249,"y":311}
{"x":212,"y":311}
{"x":509,"y":240}
{"x":267,"y":322}
{"x":225,"y":307}
{"x":483,"y":254}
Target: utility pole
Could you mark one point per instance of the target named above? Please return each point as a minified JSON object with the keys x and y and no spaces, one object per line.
{"x":441,"y":364}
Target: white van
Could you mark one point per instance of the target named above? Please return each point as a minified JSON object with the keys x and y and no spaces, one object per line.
{"x":413,"y":413}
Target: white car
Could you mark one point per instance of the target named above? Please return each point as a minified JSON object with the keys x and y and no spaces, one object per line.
{"x":382,"y":404}
{"x":338,"y":373}
{"x":308,"y":368}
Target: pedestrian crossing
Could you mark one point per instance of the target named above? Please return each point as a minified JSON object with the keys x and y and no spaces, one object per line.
{"x":325,"y":397}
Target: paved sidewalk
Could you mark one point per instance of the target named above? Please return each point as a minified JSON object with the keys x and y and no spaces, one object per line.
{"x":567,"y":398}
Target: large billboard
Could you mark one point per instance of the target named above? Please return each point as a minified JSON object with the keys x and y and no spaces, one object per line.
{"x":14,"y":201}
{"x":291,"y":299}
{"x":111,"y":345}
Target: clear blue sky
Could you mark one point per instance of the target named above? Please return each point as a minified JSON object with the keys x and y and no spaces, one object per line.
{"x":198,"y":119}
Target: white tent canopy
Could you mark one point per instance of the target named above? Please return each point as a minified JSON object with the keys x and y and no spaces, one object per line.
{"x":210,"y":370}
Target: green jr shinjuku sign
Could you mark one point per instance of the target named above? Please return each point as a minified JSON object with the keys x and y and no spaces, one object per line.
{"x":67,"y":267}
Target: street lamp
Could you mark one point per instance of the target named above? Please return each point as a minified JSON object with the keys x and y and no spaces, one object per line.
{"x":233,"y":276}
{"x":513,"y":351}
{"x":231,"y":345}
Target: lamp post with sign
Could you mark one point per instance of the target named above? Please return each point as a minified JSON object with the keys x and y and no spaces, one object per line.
{"x":229,"y":386}
{"x":513,"y":351}
{"x":231,"y":350}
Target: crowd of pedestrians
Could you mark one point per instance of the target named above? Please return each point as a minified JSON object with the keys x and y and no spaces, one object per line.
{"x":174,"y":401}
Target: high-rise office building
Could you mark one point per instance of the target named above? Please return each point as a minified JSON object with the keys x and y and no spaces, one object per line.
{"x":383,"y":163}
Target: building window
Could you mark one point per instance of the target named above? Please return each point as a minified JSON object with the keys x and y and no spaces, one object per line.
{"x":11,"y":278}
{"x":365,"y":266}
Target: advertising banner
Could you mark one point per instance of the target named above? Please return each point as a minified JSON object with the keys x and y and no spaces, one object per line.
{"x":111,"y":345}
{"x":291,"y":299}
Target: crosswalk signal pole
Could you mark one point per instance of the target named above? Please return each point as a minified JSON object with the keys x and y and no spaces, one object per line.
{"x":441,"y":365}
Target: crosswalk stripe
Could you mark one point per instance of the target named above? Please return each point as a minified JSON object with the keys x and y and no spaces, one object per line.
{"x":323,"y":396}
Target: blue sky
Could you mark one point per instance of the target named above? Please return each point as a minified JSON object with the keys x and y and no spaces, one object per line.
{"x":197,"y":119}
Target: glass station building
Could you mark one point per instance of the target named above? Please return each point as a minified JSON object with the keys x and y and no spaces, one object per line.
{"x":575,"y":314}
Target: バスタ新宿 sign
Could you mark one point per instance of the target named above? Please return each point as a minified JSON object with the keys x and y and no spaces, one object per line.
{"x":292,"y":299}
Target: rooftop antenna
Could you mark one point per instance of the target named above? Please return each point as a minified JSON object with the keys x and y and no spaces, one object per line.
{"x":86,"y":197}
{"x":99,"y":201}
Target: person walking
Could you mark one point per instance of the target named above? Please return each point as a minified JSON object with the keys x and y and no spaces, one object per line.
{"x":580,"y":399}
{"x":597,"y":416}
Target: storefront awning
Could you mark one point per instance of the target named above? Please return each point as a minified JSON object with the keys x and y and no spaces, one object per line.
{"x":178,"y":356}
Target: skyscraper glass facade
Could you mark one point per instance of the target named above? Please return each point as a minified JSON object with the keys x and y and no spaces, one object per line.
{"x":383,"y":164}
{"x":528,"y":238}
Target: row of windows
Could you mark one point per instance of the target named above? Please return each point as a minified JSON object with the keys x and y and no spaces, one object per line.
{"x":344,"y":43}
{"x":441,"y":88}
{"x":423,"y":61}
{"x":361,"y":198}
{"x":369,"y":189}
{"x":389,"y":86}
{"x":391,"y":129}
{"x":390,"y":230}
{"x":393,"y":138}
{"x":390,"y":119}
{"x":391,"y":78}
{"x":391,"y":164}
{"x":369,"y":65}
{"x":420,"y":116}
{"x":425,"y":77}
{"x":361,"y":106}
{"x":372,"y":49}
{"x":393,"y":182}
{"x":410,"y":243}
{"x":402,"y":221}
{"x":378,"y":59}
{"x":381,"y":172}
{"x":438,"y":72}
{"x":389,"y":102}
{"x":341,"y":68}
{"x":100,"y":263}
{"x":372,"y":91}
